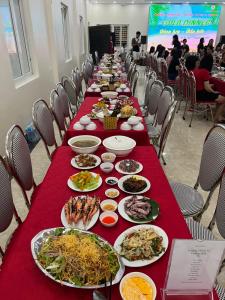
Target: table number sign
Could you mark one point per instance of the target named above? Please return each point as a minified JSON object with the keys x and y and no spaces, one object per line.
{"x":192,"y":269}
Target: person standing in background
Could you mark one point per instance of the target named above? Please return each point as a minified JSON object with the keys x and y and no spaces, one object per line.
{"x":201,"y":46}
{"x":136,"y":43}
{"x":176,"y":43}
{"x":185,"y":48}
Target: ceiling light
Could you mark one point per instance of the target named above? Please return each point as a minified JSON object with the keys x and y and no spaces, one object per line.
{"x":114,"y":1}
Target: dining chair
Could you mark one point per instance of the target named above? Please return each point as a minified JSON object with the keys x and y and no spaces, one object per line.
{"x":210,"y":172}
{"x":77,"y":80}
{"x":70,"y":89}
{"x":19,"y":161}
{"x":164,"y":102}
{"x":133,"y":71}
{"x":134,"y":82}
{"x":220,"y":292}
{"x":96,"y":58}
{"x":150,"y":79}
{"x":130,"y":70}
{"x":7,"y":207}
{"x":57,"y":108}
{"x":43,"y":122}
{"x":197,"y":106}
{"x":166,"y":127}
{"x":154,"y":95}
{"x":66,"y":107}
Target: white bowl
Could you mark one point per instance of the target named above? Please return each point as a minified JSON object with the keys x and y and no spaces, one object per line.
{"x":110,"y":214}
{"x":119,"y":145}
{"x":84,"y":150}
{"x":133,"y":120}
{"x":85,"y":120}
{"x":139,"y":127}
{"x":108,"y":157}
{"x":115,"y":191}
{"x":125,"y":126}
{"x":115,"y":179}
{"x":91,"y":126}
{"x":108,"y":201}
{"x":141,"y":275}
{"x":78,"y":126}
{"x":111,"y":95}
{"x":107,"y":167}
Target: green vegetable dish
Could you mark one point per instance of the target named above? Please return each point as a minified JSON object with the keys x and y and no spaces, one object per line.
{"x":78,"y":258}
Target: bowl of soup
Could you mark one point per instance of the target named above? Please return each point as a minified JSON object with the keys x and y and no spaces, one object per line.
{"x":84,"y":144}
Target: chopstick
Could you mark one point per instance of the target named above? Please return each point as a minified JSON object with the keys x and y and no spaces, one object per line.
{"x":110,"y":288}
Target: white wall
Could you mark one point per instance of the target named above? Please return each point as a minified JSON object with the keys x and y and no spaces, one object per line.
{"x":44,"y":26}
{"x":134,"y":15}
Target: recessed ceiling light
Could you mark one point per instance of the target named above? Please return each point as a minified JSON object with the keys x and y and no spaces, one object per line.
{"x":114,"y":1}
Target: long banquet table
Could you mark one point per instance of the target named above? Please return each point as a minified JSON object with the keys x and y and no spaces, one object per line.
{"x":219,"y":85}
{"x":20,"y":278}
{"x":141,"y":137}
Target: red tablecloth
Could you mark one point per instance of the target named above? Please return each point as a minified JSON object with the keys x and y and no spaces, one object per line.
{"x":98,"y":94}
{"x":219,"y":85}
{"x":21,"y":279}
{"x":141,"y":137}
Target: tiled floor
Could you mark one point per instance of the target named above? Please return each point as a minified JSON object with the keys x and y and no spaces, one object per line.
{"x":182,"y":153}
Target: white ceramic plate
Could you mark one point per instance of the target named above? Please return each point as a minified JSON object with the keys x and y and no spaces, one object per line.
{"x":122,"y":179}
{"x":144,"y":262}
{"x":73,"y":187}
{"x":79,"y":224}
{"x":75,"y":165}
{"x":154,"y":213}
{"x":140,"y":168}
{"x":140,"y":275}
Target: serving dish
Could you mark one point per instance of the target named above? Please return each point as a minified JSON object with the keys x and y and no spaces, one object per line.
{"x":83,"y":139}
{"x":151,"y":292}
{"x":127,"y":163}
{"x":130,"y":233}
{"x":95,"y":186}
{"x":75,"y":165}
{"x":81,"y":212}
{"x":44,"y":236}
{"x":145,"y":188}
{"x":119,"y":145}
{"x":133,"y":218}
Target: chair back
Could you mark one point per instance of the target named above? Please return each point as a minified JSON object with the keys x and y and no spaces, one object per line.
{"x":57,"y":108}
{"x":192,"y":88}
{"x":134,"y":82}
{"x":152,"y":78}
{"x":43,"y":121}
{"x":96,"y":58}
{"x":213,"y":158}
{"x":66,"y":103}
{"x":130,"y":70}
{"x":166,"y":126}
{"x":220,"y":209}
{"x":165,"y":101}
{"x":19,"y":160}
{"x":70,"y":89}
{"x":154,"y":96}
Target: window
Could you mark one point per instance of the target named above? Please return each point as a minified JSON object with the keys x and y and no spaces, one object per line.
{"x":82,"y":36}
{"x":65,"y":23}
{"x":121,"y":35}
{"x":14,"y":30}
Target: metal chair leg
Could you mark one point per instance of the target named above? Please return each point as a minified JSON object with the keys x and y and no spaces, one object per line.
{"x":192,"y":115}
{"x":205,"y":207}
{"x":185,"y":109}
{"x":163,"y":159}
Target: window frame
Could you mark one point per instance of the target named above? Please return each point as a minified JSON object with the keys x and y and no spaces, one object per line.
{"x":17,"y":36}
{"x":66,"y":32}
{"x":120,"y":34}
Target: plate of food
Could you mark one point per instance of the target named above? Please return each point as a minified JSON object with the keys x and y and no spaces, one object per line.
{"x":138,"y":209}
{"x":128,"y":166}
{"x":127,"y":111}
{"x":72,"y":257}
{"x":84,"y":181}
{"x":85,"y":161}
{"x":81,"y":212}
{"x":134,"y":184}
{"x":141,"y":245}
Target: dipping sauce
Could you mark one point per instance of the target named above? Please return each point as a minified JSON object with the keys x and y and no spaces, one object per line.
{"x":108,"y":220}
{"x":109,"y":207}
{"x":84,"y":143}
{"x":137,"y":288}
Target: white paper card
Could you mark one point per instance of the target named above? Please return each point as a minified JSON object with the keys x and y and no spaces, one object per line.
{"x":194,"y":264}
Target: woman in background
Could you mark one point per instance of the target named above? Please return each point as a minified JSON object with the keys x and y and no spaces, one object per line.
{"x":192,"y":62}
{"x":152,"y":50}
{"x":174,"y":64}
{"x":204,"y":90}
{"x":222,"y":62}
{"x":201,"y":46}
{"x":176,"y":43}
